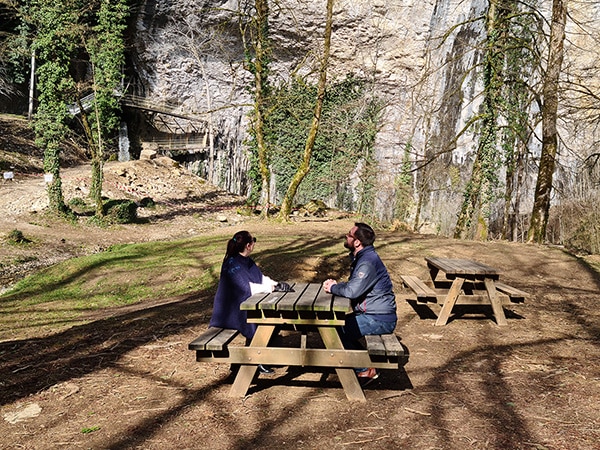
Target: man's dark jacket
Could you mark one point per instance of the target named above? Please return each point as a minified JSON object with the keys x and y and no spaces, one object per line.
{"x":369,"y":287}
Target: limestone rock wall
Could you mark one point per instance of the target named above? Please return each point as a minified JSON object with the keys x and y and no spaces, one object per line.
{"x":188,"y":53}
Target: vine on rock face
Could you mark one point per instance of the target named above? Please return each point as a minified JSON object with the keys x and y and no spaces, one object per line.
{"x":349,"y":124}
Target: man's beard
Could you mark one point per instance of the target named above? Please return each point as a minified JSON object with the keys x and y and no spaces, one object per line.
{"x":348,"y":246}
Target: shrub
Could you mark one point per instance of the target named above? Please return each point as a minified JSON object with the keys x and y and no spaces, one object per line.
{"x":121,"y":211}
{"x":79,"y":206}
{"x":574,"y":223}
{"x":147,"y":202}
{"x":16,"y":237}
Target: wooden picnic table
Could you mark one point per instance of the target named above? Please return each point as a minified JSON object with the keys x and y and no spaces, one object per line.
{"x":309,"y":308}
{"x":463,"y":282}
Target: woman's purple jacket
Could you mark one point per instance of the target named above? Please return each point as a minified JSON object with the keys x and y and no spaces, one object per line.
{"x":237,"y":272}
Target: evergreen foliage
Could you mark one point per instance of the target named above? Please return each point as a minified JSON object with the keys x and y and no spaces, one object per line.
{"x":349,"y":124}
{"x":61,"y":32}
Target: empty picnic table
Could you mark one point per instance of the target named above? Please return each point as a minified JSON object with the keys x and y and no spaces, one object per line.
{"x":309,"y":308}
{"x":463,"y":282}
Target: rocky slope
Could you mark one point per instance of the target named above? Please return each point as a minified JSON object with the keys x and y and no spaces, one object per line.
{"x":185,"y":204}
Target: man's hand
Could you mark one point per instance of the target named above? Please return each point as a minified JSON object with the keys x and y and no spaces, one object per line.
{"x":327,"y":285}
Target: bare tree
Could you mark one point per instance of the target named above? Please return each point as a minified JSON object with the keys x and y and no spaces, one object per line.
{"x":257,"y":51}
{"x":543,"y":188}
{"x":201,"y":43}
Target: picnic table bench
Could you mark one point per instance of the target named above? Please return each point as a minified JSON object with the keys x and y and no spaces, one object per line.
{"x":463,"y":282}
{"x":307,"y":309}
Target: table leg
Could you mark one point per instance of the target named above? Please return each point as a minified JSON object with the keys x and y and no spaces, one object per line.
{"x":450,"y":301}
{"x":246,"y":373}
{"x":433,"y":272}
{"x":495,"y":301}
{"x":347,"y":377}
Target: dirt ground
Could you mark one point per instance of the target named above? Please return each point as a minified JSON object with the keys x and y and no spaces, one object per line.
{"x":126,"y":380}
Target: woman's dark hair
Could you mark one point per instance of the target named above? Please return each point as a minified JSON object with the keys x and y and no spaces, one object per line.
{"x":238,"y":243}
{"x":364,"y":233}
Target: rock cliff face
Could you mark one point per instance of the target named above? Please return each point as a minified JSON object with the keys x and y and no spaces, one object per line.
{"x":188,"y":54}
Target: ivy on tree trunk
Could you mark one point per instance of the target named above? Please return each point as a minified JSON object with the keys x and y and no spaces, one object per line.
{"x":257,"y":57}
{"x":106,"y":49}
{"x":474,"y":214}
{"x":53,"y":42}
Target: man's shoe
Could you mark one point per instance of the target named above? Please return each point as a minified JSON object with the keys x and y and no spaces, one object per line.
{"x":367,"y":376}
{"x":265,"y":370}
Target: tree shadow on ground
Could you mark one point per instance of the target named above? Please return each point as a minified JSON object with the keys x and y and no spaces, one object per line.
{"x":211,"y":202}
{"x":478,"y":387}
{"x":464,"y":312}
{"x":31,"y":365}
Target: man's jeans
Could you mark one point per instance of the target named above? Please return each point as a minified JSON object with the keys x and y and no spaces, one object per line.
{"x":358,"y":325}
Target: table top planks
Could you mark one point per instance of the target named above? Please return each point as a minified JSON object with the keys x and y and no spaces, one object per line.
{"x":287,"y":300}
{"x":323,"y":301}
{"x":460,"y":267}
{"x":251,"y":303}
{"x":306,"y":297}
{"x":342,"y":304}
{"x":307,"y":300}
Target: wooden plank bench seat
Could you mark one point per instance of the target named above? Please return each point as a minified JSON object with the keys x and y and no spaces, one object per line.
{"x":384,"y":350}
{"x":476,"y":291}
{"x":423,"y":291}
{"x":516,"y":295}
{"x":213,"y":340}
{"x":386,"y":347}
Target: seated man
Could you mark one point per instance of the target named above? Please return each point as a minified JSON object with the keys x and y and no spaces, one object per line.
{"x":371,"y":292}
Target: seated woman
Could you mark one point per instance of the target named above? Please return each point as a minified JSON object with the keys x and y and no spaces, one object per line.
{"x":240,"y":278}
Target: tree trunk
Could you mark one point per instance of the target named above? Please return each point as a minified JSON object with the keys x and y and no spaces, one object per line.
{"x":56,"y":202}
{"x":422,"y":192}
{"x":473,"y":217}
{"x":211,"y":134}
{"x":470,"y":204}
{"x":97,"y":174}
{"x":260,"y":80}
{"x":286,"y":206}
{"x":512,"y":230}
{"x":543,"y":188}
{"x":97,"y":166}
{"x":31,"y":87}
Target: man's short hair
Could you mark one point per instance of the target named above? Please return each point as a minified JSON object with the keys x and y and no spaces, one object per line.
{"x":364,"y":233}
